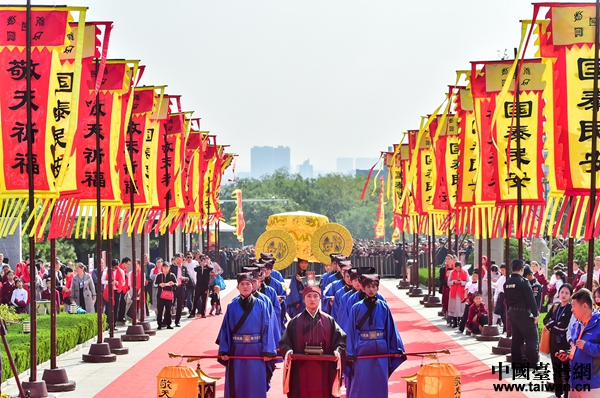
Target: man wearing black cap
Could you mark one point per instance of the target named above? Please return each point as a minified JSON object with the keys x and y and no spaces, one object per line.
{"x":342,"y":310}
{"x":359,"y":295}
{"x":333,"y":271}
{"x":523,"y":314}
{"x":336,"y":282}
{"x":294,"y":303}
{"x":312,"y":332}
{"x":373,"y":332}
{"x":266,"y":294}
{"x":337,"y":300}
{"x":268,"y":258}
{"x":247,"y":330}
{"x":279,"y":290}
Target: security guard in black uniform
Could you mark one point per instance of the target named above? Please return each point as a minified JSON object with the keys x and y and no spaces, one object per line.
{"x":535,"y":285}
{"x":523,"y":313}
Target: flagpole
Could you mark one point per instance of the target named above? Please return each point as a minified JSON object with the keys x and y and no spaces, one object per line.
{"x":518,"y":227}
{"x":33,"y":358}
{"x":594,"y":159}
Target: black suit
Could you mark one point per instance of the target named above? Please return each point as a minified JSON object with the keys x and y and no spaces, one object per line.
{"x":399,"y":258}
{"x":202,"y":288}
{"x":180,"y":290}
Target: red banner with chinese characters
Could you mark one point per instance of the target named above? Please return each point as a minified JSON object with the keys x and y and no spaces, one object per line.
{"x":569,"y":49}
{"x":468,"y":161}
{"x":49,"y":27}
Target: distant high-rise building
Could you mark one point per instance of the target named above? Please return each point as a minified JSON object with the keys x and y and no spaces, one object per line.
{"x":266,"y":159}
{"x":345,"y":165}
{"x":306,"y":169}
{"x":364,"y":163}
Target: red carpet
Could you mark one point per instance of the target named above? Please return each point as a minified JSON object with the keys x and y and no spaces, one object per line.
{"x":199,"y":337}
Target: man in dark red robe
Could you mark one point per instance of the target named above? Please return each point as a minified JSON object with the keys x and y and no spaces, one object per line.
{"x":313,"y":328}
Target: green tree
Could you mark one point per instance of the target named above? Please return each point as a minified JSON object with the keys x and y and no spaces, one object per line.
{"x":580,"y":253}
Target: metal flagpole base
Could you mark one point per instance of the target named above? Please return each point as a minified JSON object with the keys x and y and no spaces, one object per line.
{"x":403,"y":285}
{"x":416,"y":292}
{"x":425,"y":298}
{"x":116,"y":346}
{"x":433,"y":301}
{"x":57,"y":380}
{"x":99,"y":353}
{"x":36,"y":389}
{"x":410,"y":290}
{"x":489,"y":333}
{"x":135,"y":333}
{"x":147,"y":328}
{"x":503,"y":347}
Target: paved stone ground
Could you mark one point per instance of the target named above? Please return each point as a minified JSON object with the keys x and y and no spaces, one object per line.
{"x":92,"y":378}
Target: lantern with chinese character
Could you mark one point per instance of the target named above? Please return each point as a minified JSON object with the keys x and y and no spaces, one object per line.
{"x":177,"y":382}
{"x":207,"y":385}
{"x":440,"y":380}
{"x":411,"y":386}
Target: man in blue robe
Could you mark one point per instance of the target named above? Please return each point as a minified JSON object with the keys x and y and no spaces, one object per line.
{"x":246,"y":331}
{"x":279,"y":289}
{"x":333,"y":269}
{"x":336,"y":282}
{"x":341,"y":312}
{"x":268,"y":258}
{"x":294,"y":303}
{"x":268,"y":296}
{"x":373,"y":332}
{"x":337,"y":300}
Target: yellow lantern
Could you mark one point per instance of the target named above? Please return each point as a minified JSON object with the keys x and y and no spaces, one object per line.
{"x":177,"y":382}
{"x":207,"y":385}
{"x":439,"y":380}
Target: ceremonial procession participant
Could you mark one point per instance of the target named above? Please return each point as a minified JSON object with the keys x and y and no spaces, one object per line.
{"x":372,"y":332}
{"x":268,"y":258}
{"x":247,"y":331}
{"x":333,"y":268}
{"x":557,"y":322}
{"x":268,"y":281}
{"x":584,"y":354}
{"x":294,"y":303}
{"x":359,"y":295}
{"x":313,"y":333}
{"x":523,"y":314}
{"x":344,"y":308}
{"x":457,"y":282}
{"x":337,"y":300}
{"x":336,"y":283}
{"x":499,"y":300}
{"x":270,"y":293}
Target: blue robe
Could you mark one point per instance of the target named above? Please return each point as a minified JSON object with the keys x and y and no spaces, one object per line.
{"x":353,"y":299}
{"x":377,"y":335}
{"x":342,"y":309}
{"x":329,"y":293}
{"x":240,"y":374}
{"x":294,"y":303}
{"x":277,"y":275}
{"x":270,"y":293}
{"x":338,"y":302}
{"x":278,"y":286}
{"x":324,"y":280}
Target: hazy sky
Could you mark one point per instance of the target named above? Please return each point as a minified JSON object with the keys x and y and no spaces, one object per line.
{"x":327,"y":78}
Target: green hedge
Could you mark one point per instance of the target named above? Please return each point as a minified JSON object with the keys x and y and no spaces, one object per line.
{"x":423,"y":276}
{"x":71,"y":330}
